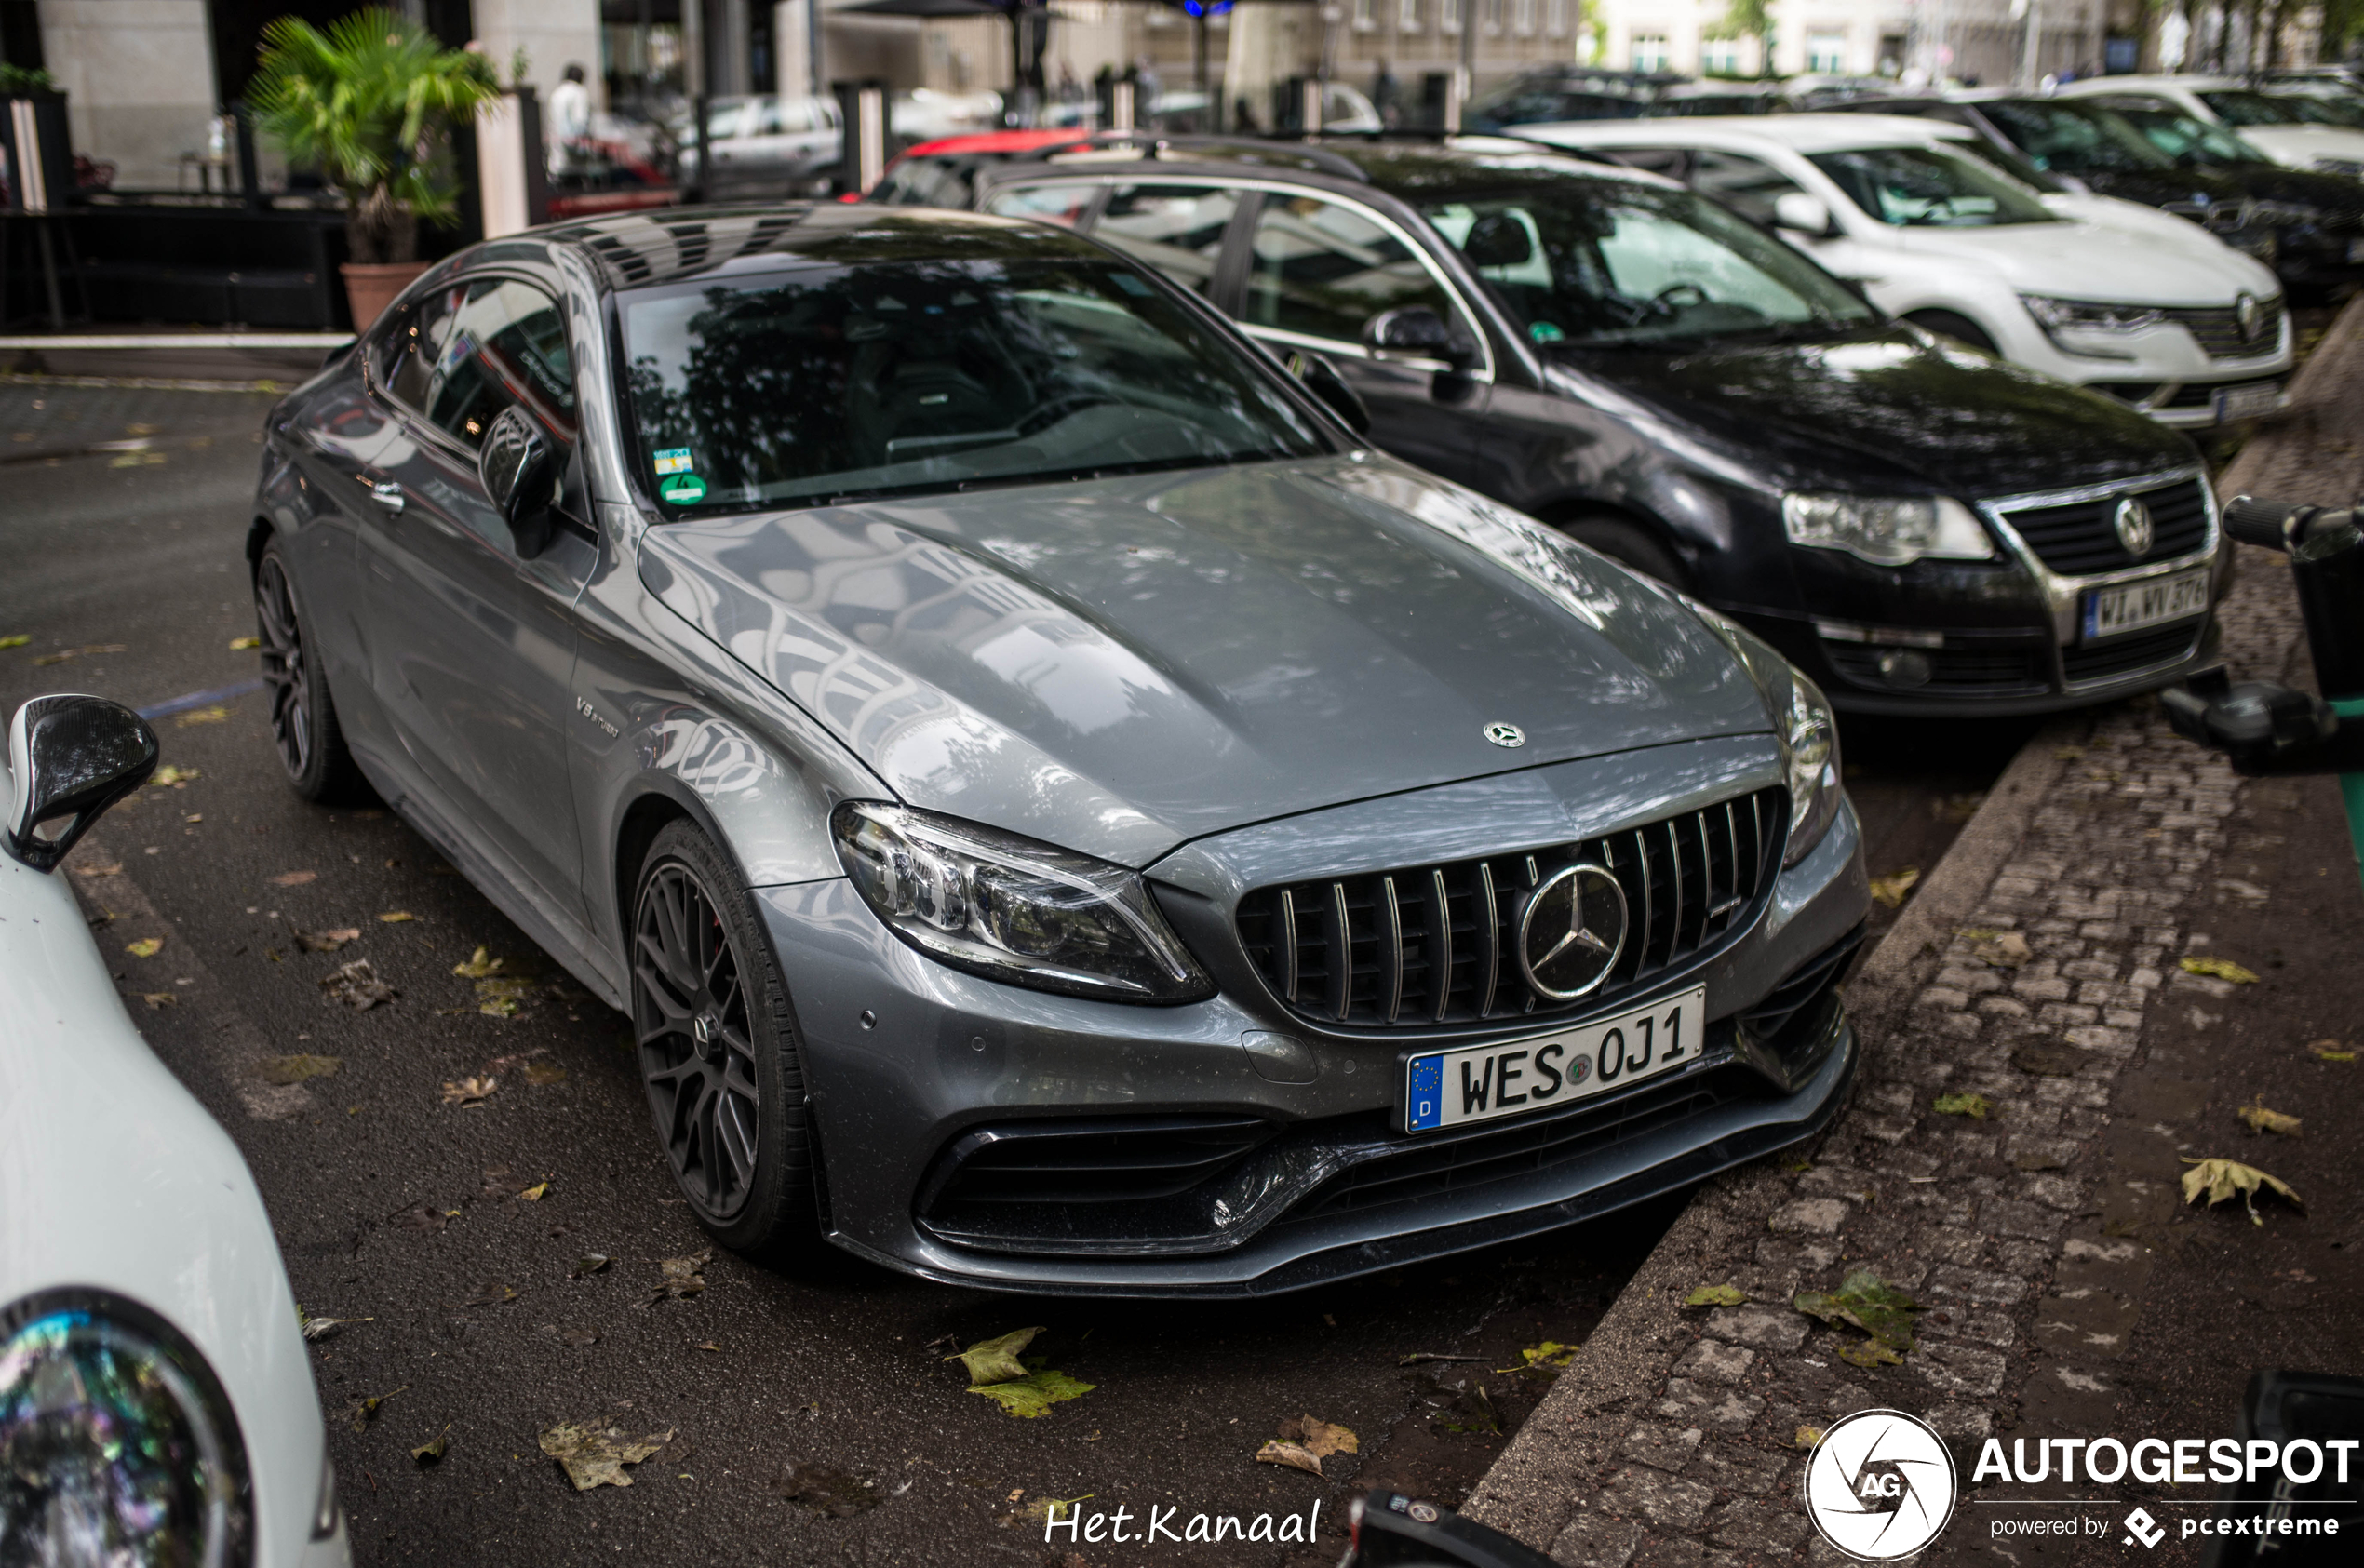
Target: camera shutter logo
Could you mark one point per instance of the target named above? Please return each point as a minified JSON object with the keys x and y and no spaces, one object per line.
{"x":1880,"y":1485}
{"x":2132,"y":521}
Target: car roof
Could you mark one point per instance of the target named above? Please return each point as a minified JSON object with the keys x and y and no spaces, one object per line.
{"x":2151,"y":84}
{"x":1386,"y":161}
{"x":670,"y":245}
{"x":1806,"y":133}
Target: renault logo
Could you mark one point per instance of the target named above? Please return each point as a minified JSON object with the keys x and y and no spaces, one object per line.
{"x":1503,"y":734}
{"x":2132,"y":521}
{"x":2249,"y":315}
{"x":1572,"y":931}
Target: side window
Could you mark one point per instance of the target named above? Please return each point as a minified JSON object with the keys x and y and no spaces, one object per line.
{"x":1749,"y":186}
{"x":1178,"y":229}
{"x":924,"y":182}
{"x":1063,"y":204}
{"x":405,"y":365}
{"x":1322,"y":269}
{"x":495,"y":341}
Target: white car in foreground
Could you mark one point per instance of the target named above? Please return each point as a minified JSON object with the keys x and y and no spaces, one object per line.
{"x":2158,"y":313}
{"x":156,"y":1402}
{"x":2275,"y":124}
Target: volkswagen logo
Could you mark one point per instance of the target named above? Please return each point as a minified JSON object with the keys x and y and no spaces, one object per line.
{"x":1572,"y":931}
{"x":1503,"y":734}
{"x":1880,"y":1485}
{"x":2132,"y":521}
{"x":2249,"y":315}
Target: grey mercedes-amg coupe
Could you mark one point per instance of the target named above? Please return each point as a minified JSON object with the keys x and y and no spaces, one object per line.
{"x":1061,"y":812}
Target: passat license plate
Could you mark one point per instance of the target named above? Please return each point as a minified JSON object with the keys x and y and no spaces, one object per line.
{"x":1514,"y":1078}
{"x":2248,"y":402}
{"x":2152,"y":602}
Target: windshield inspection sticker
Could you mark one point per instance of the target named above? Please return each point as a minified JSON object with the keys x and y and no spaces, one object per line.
{"x":683,"y":489}
{"x":672,"y":460}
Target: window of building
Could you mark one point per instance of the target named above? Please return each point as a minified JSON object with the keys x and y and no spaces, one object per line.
{"x":1365,"y":17}
{"x":1448,"y":16}
{"x":1649,"y":51}
{"x":1719,"y":57}
{"x":1555,"y":17}
{"x":1523,"y":16}
{"x":1408,"y":18}
{"x":1491,"y":14}
{"x":1826,"y":54}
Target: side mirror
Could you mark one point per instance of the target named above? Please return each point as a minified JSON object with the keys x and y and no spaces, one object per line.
{"x":1415,"y":333}
{"x":1322,"y":378}
{"x":1803,"y":214}
{"x":1498,"y":240}
{"x":520,"y":470}
{"x":70,"y":757}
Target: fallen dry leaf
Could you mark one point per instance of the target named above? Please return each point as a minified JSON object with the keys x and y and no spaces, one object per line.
{"x":171,"y":777}
{"x":116,"y":869}
{"x":239,"y":645}
{"x":680,"y":1278}
{"x":293,"y":878}
{"x":1890,"y":890}
{"x":321,"y":1328}
{"x":2007,"y":951}
{"x":1546,"y":1357}
{"x":1034,"y":1394}
{"x":356,"y":984}
{"x":996,"y":1361}
{"x":533,"y":1194}
{"x":1871,"y":1303}
{"x":491,"y":1294}
{"x":396,"y":917}
{"x":80,"y":652}
{"x":470,"y":1091}
{"x":2223,"y":969}
{"x":156,"y":999}
{"x":2331,"y":1051}
{"x":1714,"y":1295}
{"x":364,"y":1409}
{"x":1978,"y":1108}
{"x":500,"y":998}
{"x":594,"y":1452}
{"x":285,"y":1070}
{"x":418,"y":1217}
{"x":577,"y":1337}
{"x":1807,"y":1437}
{"x":434,"y":1449}
{"x":1293,"y":1456}
{"x":1319,"y":1438}
{"x":203,"y":715}
{"x":478,"y":967}
{"x":2219,"y":1179}
{"x":540,"y":1074}
{"x":824,"y":1490}
{"x":2259,"y":1120}
{"x":587,"y":1265}
{"x":146,"y":948}
{"x":324,"y":941}
{"x":16,"y":639}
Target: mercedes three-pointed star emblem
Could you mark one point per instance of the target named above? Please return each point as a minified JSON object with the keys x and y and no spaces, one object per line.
{"x":1572,"y":931}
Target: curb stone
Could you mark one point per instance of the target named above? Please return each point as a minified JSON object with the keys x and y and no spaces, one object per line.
{"x":1674,"y":1439}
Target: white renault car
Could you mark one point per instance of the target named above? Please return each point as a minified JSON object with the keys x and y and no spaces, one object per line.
{"x":156,"y":1402}
{"x":2157,"y":313}
{"x":2279,"y":125}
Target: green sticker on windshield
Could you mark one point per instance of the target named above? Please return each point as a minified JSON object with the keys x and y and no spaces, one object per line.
{"x":1544,"y":332}
{"x":672,"y":460}
{"x":683,"y":489}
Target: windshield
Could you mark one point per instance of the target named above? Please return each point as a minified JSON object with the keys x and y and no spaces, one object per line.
{"x":2188,"y":141}
{"x":1929,"y":187}
{"x":2007,"y":163}
{"x":2252,"y":108}
{"x":2320,"y":111}
{"x":832,"y":381}
{"x":2078,"y":139}
{"x":1592,"y":261}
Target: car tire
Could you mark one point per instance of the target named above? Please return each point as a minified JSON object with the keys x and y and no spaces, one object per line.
{"x":1631,"y":545}
{"x":303,"y":716}
{"x":1961,"y":329}
{"x":718,"y":1050}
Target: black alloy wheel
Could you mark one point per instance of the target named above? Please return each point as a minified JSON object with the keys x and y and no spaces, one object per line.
{"x":304,"y":719}
{"x":717,"y":1047}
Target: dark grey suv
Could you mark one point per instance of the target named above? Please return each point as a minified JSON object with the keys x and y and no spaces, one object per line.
{"x":1060,"y":810}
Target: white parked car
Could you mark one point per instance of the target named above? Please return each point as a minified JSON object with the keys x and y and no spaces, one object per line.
{"x":2276,"y":125}
{"x":156,"y":1402}
{"x":765,"y":148}
{"x":2156,"y":312}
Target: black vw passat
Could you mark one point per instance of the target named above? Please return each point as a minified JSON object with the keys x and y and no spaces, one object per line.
{"x":1924,"y":528}
{"x":1053,"y":799}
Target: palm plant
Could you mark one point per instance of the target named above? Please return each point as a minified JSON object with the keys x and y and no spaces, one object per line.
{"x":372,"y":101}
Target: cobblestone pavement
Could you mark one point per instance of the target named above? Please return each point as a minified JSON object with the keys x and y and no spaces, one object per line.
{"x":1680,"y":1436}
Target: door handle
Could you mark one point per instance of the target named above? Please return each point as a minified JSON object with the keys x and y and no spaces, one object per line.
{"x":388,"y":495}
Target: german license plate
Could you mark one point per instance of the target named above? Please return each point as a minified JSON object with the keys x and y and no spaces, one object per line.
{"x":2247,"y":402}
{"x":2152,"y":602}
{"x":1514,"y":1078}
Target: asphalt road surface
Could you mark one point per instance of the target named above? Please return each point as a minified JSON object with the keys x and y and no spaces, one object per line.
{"x":813,"y":1413}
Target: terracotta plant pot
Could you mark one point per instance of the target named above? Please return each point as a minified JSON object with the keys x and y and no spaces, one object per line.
{"x":369,"y":287}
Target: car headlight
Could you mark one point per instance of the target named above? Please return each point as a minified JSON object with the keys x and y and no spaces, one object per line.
{"x":1809,"y":735}
{"x":1886,"y":531}
{"x":2091,"y":316}
{"x":116,"y":1442}
{"x":1014,"y":910}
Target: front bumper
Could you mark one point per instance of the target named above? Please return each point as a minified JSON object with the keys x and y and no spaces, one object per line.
{"x":1330,"y":1189}
{"x":2164,"y":373}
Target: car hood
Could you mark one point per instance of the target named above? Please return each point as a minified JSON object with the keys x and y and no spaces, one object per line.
{"x":2300,"y":145}
{"x":1883,"y":412}
{"x":1121,"y":664}
{"x":2081,"y":260}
